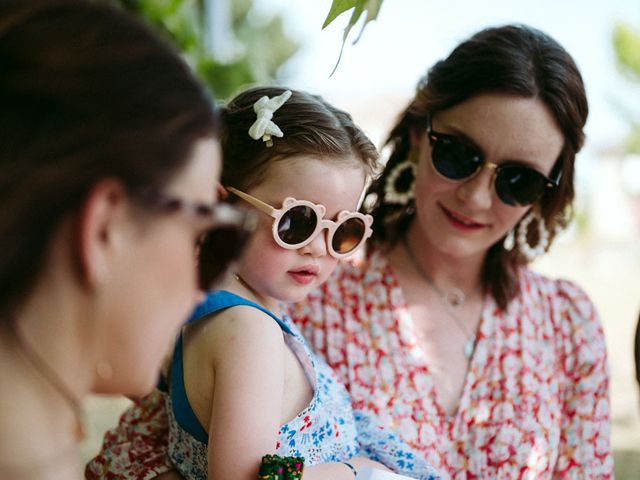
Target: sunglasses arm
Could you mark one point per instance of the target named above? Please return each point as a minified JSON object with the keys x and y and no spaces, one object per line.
{"x":259,"y":204}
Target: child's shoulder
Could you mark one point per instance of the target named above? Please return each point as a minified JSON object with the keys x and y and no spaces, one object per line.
{"x":236,"y":331}
{"x":238,"y":325}
{"x":226,"y":312}
{"x":245,"y":319}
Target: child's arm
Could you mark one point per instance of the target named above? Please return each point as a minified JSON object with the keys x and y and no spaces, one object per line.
{"x":248,"y":362}
{"x":246,"y":412}
{"x":339,"y":470}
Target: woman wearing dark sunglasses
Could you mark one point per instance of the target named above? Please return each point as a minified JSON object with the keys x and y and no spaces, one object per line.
{"x":108,"y":160}
{"x":489,"y":369}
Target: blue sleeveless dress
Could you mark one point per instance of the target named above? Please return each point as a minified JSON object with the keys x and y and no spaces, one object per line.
{"x":323,"y":432}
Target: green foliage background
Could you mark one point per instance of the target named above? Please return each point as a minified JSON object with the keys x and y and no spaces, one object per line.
{"x":626,"y":43}
{"x":262,"y":46}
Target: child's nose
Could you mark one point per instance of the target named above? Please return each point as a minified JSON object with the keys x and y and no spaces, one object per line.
{"x":318,"y":246}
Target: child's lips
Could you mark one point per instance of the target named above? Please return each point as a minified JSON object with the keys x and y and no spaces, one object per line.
{"x":306,"y":270}
{"x":305,"y":275}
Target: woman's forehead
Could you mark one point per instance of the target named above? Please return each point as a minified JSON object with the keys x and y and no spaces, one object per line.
{"x":505,"y":128}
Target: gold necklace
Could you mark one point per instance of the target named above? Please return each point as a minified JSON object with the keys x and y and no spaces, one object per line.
{"x":45,"y":371}
{"x":242,"y":282}
{"x":451,"y":300}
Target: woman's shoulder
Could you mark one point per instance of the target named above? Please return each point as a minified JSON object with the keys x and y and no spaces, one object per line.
{"x":559,"y":293}
{"x":568,"y":307}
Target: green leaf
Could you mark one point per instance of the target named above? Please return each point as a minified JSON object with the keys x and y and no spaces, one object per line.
{"x":266,"y":46}
{"x":338,"y":7}
{"x":626,"y":42}
{"x":373,"y":8}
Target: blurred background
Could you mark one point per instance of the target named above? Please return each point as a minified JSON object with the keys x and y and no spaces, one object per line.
{"x":235,"y":43}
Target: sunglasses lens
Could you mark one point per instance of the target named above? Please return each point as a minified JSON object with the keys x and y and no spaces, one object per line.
{"x":297,"y":225}
{"x":348,"y":235}
{"x":517,"y":185}
{"x":454,"y":159}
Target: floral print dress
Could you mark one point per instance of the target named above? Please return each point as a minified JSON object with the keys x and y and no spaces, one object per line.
{"x":535,"y":403}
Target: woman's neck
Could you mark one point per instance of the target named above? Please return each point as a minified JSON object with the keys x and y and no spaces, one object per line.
{"x":446,"y":271}
{"x":50,"y":343}
{"x":59,"y":334}
{"x":40,"y":429}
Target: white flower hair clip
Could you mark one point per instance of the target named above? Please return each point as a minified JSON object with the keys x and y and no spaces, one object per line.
{"x":263,"y":127}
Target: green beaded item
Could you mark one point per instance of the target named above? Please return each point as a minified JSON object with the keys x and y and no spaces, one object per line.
{"x":275,"y":467}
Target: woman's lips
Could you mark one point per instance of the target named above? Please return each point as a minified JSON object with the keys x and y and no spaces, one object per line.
{"x":460,"y":222}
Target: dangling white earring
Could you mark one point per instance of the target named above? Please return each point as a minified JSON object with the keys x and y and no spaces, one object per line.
{"x":398,"y":187}
{"x":529,"y":252}
{"x":510,"y":240}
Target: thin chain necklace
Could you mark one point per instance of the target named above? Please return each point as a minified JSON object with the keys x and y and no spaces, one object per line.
{"x":451,"y":300}
{"x":55,"y":381}
{"x":257,"y":297}
{"x":241,"y":281}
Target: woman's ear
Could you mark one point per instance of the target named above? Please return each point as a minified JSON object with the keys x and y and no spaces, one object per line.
{"x":102,"y":214}
{"x":415,"y":138}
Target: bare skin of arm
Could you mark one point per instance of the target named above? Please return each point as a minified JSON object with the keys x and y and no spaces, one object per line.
{"x":245,"y":354}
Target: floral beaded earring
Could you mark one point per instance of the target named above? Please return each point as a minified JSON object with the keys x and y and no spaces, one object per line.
{"x":528,"y":251}
{"x":398,"y":187}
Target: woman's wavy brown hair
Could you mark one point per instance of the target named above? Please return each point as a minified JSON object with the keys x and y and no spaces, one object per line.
{"x":513,"y":60}
{"x":86,"y":92}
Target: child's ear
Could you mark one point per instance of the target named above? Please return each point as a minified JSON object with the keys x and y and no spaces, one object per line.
{"x":101,"y":215}
{"x":223,"y":193}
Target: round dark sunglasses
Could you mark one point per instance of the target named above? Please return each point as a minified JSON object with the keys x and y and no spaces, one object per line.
{"x":298,"y":222}
{"x":515,"y":184}
{"x":227,"y":231}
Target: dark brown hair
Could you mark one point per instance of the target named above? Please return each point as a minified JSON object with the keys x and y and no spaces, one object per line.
{"x":636,"y":351}
{"x":86,"y":93}
{"x":514,"y":60}
{"x":311,"y":126}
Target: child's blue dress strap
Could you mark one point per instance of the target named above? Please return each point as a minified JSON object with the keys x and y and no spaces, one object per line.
{"x":214,"y":302}
{"x":221,"y":299}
